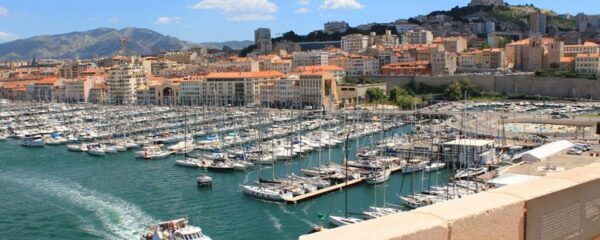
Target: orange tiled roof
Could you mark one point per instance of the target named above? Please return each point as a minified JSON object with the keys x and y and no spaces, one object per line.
{"x":319,"y":68}
{"x":567,"y":59}
{"x":261,"y":74}
{"x":47,"y":81}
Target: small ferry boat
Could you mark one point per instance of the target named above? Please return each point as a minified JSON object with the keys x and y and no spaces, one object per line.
{"x":178,"y":229}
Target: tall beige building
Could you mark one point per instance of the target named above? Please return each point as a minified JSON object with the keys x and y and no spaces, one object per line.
{"x":587,"y":64}
{"x":78,"y":90}
{"x":236,"y":88}
{"x":123,"y":81}
{"x":417,"y":37}
{"x":355,"y":43}
{"x":443,"y":63}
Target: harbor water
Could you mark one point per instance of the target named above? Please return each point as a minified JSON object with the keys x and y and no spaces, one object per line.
{"x":51,"y":193}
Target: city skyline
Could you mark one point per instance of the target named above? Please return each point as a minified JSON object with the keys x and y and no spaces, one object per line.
{"x":215,"y":21}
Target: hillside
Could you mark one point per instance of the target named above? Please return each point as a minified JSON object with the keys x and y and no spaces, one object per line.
{"x":87,"y":44}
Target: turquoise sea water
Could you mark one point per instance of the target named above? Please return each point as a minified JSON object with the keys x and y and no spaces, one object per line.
{"x":51,"y":193}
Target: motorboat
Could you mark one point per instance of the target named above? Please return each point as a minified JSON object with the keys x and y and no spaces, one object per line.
{"x":379,"y":176}
{"x":33,"y":141}
{"x":433,"y":166}
{"x":220,"y":166}
{"x":188,"y":162}
{"x":175,"y":229}
{"x":414,"y":165}
{"x":343,"y":221}
{"x":153,"y":152}
{"x":96,"y":150}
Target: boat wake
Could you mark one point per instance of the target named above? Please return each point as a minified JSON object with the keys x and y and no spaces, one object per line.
{"x":307,"y":222}
{"x":120,"y":219}
{"x":276,"y":222}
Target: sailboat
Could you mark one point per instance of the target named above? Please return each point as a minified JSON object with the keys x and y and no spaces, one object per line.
{"x":345,"y":220}
{"x":267,"y":190}
{"x":186,"y":162}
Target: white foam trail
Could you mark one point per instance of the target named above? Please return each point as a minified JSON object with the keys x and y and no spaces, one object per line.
{"x":121,"y":219}
{"x":284,"y":210}
{"x":276,"y":222}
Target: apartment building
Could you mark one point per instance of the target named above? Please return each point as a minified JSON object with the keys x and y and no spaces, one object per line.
{"x":78,"y":90}
{"x":42,"y":90}
{"x":355,"y":43}
{"x":191,"y":90}
{"x":276,"y":63}
{"x":317,"y":89}
{"x":411,"y":68}
{"x":236,"y":88}
{"x":338,"y":72}
{"x":123,"y":81}
{"x":443,"y":63}
{"x":312,"y":58}
{"x":98,"y":93}
{"x":452,"y":44}
{"x":586,"y":47}
{"x":493,"y":58}
{"x":335,"y":27}
{"x":587,"y":64}
{"x":417,"y":37}
{"x":357,"y":65}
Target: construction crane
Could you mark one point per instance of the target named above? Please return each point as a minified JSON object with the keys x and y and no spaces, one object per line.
{"x":123,"y":43}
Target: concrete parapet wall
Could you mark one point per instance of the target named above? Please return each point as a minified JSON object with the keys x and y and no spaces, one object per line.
{"x":561,"y":206}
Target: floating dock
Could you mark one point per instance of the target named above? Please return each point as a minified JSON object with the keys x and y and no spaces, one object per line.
{"x":339,"y":186}
{"x":322,"y":191}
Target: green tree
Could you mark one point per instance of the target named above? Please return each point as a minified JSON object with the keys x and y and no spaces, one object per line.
{"x":457,"y":89}
{"x":375,"y":95}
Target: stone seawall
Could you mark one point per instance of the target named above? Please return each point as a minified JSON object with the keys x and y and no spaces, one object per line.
{"x":513,"y":84}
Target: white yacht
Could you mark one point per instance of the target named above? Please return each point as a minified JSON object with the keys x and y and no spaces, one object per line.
{"x":188,"y":162}
{"x":378,"y":177}
{"x":435,"y":166}
{"x":96,"y":150}
{"x":266,"y":193}
{"x":178,"y":229}
{"x":153,"y":152}
{"x":32,"y":141}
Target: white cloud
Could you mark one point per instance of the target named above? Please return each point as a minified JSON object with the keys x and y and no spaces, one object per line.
{"x":340,"y":4}
{"x":302,"y":10}
{"x":164,"y":20}
{"x":241,"y":10}
{"x":3,"y":11}
{"x":304,"y":2}
{"x":5,"y":36}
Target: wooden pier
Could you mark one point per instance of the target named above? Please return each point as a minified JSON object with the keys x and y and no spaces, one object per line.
{"x":339,"y":186}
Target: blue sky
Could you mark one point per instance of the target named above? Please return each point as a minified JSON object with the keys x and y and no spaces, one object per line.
{"x":221,"y":20}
